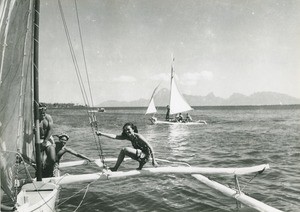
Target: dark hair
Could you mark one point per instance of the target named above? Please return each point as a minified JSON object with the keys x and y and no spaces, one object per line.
{"x":63,"y":136}
{"x":132,"y":126}
{"x":42,"y":104}
{"x":42,"y":107}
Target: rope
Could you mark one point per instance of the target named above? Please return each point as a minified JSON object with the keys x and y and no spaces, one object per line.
{"x":83,"y":53}
{"x":67,"y":199}
{"x":94,"y":127}
{"x":87,"y":188}
{"x":16,"y":177}
{"x":93,"y":118}
{"x":18,"y":155}
{"x":248,"y":183}
{"x":81,"y":84}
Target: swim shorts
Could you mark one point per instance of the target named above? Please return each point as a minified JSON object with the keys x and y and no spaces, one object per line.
{"x":141,"y":156}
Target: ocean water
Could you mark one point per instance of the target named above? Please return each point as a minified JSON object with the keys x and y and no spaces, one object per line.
{"x":233,"y":137}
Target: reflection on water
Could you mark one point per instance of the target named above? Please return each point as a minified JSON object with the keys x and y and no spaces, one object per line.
{"x":173,"y":140}
{"x":178,"y":137}
{"x":178,"y":132}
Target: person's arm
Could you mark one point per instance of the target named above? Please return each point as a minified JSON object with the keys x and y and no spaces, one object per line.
{"x":154,"y":163}
{"x":60,"y":154}
{"x":108,"y":135}
{"x":71,"y":151}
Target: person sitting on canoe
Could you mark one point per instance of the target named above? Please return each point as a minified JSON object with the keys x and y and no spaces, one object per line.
{"x":141,"y":148}
{"x":168,"y":113}
{"x":188,"y":118}
{"x":179,"y":118}
{"x":47,"y":141}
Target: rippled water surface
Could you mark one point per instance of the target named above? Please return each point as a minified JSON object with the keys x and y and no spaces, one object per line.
{"x":233,"y":137}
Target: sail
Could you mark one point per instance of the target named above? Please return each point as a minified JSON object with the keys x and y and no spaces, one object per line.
{"x":16,"y":93}
{"x":151,"y":108}
{"x":177,"y":102}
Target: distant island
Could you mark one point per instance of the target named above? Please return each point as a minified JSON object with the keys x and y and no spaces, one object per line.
{"x":260,"y":98}
{"x":162,"y":97}
{"x":65,"y":105}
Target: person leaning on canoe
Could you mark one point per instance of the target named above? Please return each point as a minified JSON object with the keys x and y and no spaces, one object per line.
{"x":141,"y":150}
{"x":61,"y":148}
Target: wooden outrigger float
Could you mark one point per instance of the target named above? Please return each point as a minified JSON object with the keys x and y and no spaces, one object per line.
{"x":50,"y":185}
{"x":196,"y":172}
{"x":108,"y":175}
{"x":236,"y":194}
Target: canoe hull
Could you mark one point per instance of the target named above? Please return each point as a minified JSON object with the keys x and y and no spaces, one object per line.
{"x":38,"y":196}
{"x":156,"y":121}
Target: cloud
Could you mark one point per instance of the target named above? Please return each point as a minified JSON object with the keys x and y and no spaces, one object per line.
{"x":124,"y":79}
{"x":194,"y":77}
{"x":161,"y":77}
{"x":207,"y":75}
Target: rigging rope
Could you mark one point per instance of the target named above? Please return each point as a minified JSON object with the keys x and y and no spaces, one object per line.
{"x":94,"y":123}
{"x":81,"y":84}
{"x":94,"y":126}
{"x":92,"y":116}
{"x":249,"y":181}
{"x":83,"y":54}
{"x":18,"y":183}
{"x":86,"y":190}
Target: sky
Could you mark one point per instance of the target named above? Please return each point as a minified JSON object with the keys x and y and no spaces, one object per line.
{"x":220,"y":46}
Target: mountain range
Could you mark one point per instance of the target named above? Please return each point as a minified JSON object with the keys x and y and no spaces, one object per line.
{"x":162,"y":99}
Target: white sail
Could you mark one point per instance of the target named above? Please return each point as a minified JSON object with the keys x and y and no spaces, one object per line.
{"x":151,"y":108}
{"x":16,"y":106}
{"x":177,"y":102}
{"x":16,"y":94}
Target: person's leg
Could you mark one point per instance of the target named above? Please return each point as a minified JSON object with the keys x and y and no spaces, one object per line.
{"x":50,"y":161}
{"x":141,"y":164}
{"x":42,"y":160}
{"x":127,"y":151}
{"x":142,"y":159}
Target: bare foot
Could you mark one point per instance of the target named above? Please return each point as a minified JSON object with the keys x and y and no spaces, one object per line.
{"x":142,"y":163}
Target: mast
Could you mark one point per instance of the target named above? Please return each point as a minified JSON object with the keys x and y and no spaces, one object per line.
{"x":36,"y":89}
{"x":171,"y":81}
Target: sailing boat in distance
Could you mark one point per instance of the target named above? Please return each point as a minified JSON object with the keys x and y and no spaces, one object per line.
{"x":177,"y":105}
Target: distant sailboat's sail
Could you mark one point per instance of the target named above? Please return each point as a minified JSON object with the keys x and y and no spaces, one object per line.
{"x":177,"y":102}
{"x":151,"y":108}
{"x":16,"y":93}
